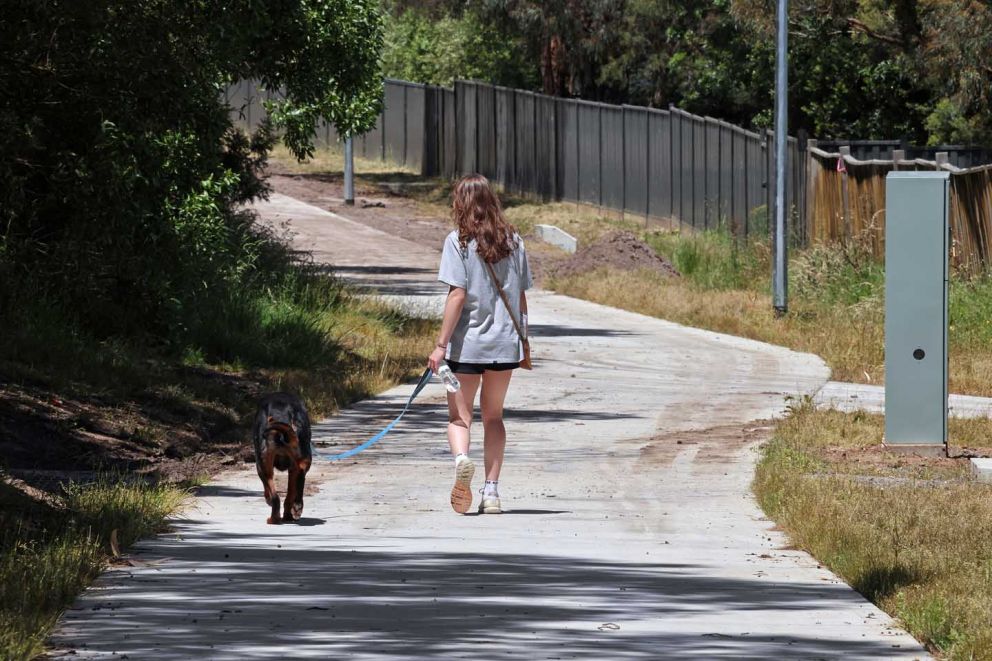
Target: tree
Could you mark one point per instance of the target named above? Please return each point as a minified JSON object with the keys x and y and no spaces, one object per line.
{"x":918,"y":69}
{"x":120,"y":173}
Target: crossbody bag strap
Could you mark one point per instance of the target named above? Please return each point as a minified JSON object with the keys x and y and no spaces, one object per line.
{"x":506,"y":302}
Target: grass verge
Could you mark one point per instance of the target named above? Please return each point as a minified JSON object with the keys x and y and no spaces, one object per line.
{"x":331,"y":161}
{"x":49,"y":551}
{"x":160,"y":411}
{"x":836,"y":306}
{"x":912,"y":535}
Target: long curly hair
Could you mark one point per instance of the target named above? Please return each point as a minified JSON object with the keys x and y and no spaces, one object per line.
{"x":478,"y":215}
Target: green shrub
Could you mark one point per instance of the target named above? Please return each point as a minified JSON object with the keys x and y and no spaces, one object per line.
{"x":838,"y":274}
{"x":437,"y":50}
{"x":714,"y":259}
{"x":121,"y":177}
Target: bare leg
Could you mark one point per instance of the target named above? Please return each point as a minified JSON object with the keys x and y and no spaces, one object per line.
{"x":460,"y":405}
{"x":494,"y":387}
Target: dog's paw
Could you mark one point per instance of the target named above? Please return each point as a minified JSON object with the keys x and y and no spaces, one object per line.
{"x":273,"y":520}
{"x":297,"y":511}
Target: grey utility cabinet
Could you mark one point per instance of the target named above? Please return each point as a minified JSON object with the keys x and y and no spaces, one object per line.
{"x":916,"y":249}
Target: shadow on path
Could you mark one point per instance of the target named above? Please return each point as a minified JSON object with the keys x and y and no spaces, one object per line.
{"x":334,"y":601}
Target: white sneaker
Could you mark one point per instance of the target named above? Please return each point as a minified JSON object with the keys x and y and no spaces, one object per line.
{"x":461,"y":493}
{"x":490,"y":504}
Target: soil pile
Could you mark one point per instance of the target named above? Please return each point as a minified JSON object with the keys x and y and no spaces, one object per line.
{"x":617,"y":250}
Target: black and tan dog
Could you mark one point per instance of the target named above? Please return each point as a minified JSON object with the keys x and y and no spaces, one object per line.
{"x":281,"y":434}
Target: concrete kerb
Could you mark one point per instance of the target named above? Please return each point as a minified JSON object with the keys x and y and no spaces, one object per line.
{"x":557,"y":237}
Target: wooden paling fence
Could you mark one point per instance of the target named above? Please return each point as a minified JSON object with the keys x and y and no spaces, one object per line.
{"x":846,"y":201}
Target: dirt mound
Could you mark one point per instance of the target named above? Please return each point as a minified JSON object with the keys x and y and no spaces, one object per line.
{"x":617,"y":250}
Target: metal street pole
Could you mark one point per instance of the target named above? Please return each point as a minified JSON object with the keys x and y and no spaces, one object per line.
{"x":780,"y":266}
{"x":349,"y":172}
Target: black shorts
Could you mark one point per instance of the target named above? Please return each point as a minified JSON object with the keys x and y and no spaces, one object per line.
{"x":479,"y":368}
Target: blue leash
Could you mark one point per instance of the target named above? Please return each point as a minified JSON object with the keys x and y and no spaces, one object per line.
{"x":424,"y":380}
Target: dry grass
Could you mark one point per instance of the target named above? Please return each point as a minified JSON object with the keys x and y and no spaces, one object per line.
{"x":836,"y":304}
{"x":849,"y":340}
{"x":384,"y":347}
{"x":331,"y":160}
{"x":49,"y":552}
{"x":583,"y":222}
{"x":914,"y":536}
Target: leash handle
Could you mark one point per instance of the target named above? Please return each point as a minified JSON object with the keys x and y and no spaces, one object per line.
{"x":424,"y":380}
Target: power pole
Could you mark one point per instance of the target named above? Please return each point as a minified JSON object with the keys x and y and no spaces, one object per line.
{"x":349,"y":172}
{"x":781,"y":263}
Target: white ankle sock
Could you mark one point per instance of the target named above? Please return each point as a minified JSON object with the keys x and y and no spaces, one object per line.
{"x":458,"y":457}
{"x":490,"y":488}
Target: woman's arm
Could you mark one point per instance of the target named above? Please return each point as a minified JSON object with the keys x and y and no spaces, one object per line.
{"x":523,"y":313}
{"x":452,"y":313}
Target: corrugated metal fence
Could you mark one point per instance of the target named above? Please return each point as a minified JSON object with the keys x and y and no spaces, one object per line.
{"x":671,"y":167}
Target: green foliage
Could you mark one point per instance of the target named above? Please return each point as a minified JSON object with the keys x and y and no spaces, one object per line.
{"x":121,"y":177}
{"x":436,"y":51}
{"x":970,"y":310}
{"x":714,"y":259}
{"x":858,"y":69}
{"x":845,"y":86}
{"x":948,"y":125}
{"x":838,"y":274}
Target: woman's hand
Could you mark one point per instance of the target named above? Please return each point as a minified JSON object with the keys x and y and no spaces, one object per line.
{"x":435,"y":359}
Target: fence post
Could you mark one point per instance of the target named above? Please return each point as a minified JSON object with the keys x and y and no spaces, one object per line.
{"x":513,"y":170}
{"x":533,"y":170}
{"x":405,"y":136}
{"x":475,"y":160}
{"x":459,"y":129}
{"x":555,"y":141}
{"x":578,"y":161}
{"x":844,"y":152}
{"x":599,"y":115}
{"x":647,"y":170}
{"x":623,"y":163}
{"x":495,"y":155}
{"x":942,"y":160}
{"x":799,"y":191}
{"x":810,"y":184}
{"x":897,"y":155}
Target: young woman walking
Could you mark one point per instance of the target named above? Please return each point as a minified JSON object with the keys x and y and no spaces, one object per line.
{"x":479,"y":339}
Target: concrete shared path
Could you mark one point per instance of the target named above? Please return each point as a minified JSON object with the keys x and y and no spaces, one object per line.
{"x":631,"y":530}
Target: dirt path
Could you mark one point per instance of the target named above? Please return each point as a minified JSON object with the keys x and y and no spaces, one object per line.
{"x":631,"y":531}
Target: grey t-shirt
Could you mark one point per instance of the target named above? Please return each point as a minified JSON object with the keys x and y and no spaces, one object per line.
{"x":484,"y":332}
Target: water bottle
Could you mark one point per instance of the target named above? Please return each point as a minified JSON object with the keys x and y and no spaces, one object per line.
{"x":450,"y":380}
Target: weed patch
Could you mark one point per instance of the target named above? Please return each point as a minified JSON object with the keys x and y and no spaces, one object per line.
{"x":50,"y":551}
{"x":912,"y":535}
